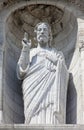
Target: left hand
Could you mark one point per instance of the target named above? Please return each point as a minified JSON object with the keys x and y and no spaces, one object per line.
{"x":51,"y":58}
{"x":54,"y":58}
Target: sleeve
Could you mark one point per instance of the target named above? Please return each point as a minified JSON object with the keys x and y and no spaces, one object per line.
{"x":23,"y":63}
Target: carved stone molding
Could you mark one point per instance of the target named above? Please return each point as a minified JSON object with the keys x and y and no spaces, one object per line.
{"x":81,"y":45}
{"x":76,"y":3}
{"x":27,"y":17}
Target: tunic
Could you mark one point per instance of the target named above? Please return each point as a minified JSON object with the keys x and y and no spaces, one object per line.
{"x":45,"y":87}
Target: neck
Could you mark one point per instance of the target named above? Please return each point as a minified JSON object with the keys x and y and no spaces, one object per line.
{"x":45,"y":46}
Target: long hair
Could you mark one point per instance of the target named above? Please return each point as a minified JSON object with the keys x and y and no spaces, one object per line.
{"x":49,"y":28}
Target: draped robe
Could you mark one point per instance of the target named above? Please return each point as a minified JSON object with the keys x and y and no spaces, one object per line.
{"x":45,"y":88}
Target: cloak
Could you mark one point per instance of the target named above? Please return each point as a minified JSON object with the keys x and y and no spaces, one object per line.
{"x":45,"y":88}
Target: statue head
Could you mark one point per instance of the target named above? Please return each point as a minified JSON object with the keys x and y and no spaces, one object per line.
{"x":43,"y":33}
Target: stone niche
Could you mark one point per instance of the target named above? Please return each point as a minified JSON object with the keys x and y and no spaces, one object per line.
{"x":64,"y":28}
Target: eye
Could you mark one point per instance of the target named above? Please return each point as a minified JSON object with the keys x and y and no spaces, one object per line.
{"x":45,"y":29}
{"x":39,"y":29}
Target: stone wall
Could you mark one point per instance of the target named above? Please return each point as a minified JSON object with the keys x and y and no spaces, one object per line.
{"x":15,"y":20}
{"x":64,"y":40}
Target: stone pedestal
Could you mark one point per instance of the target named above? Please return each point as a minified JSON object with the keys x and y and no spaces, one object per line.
{"x":48,"y":127}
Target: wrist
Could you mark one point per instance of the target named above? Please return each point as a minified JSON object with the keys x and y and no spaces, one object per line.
{"x":25,"y":48}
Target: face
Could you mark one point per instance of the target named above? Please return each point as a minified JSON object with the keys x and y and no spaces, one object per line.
{"x":42,"y":34}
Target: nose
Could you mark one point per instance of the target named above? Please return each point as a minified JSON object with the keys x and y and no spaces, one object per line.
{"x":42,"y":31}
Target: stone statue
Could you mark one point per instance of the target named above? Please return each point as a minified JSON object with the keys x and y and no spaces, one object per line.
{"x":45,"y":79}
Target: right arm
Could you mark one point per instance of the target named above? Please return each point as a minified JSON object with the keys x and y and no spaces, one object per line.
{"x":24,"y":60}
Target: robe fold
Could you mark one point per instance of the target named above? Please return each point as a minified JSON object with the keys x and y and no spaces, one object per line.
{"x":44,"y":90}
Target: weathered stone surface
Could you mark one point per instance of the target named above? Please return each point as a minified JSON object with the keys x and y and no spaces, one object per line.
{"x":48,"y":95}
{"x":26,"y":127}
{"x":67,"y":40}
{"x":14,"y":34}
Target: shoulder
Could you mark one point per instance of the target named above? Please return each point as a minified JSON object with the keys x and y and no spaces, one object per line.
{"x":61,"y":53}
{"x":33,"y":51}
{"x":54,"y":50}
{"x":57,"y":52}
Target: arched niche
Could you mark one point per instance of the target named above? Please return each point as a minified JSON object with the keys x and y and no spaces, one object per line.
{"x":64,"y":29}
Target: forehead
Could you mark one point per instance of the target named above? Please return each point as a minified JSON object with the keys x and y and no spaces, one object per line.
{"x":42,"y":26}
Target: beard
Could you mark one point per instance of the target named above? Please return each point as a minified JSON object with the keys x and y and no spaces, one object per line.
{"x":42,"y":43}
{"x":43,"y":40}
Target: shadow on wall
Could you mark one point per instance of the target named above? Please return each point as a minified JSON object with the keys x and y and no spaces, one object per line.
{"x":71,"y":107}
{"x":13,"y":110}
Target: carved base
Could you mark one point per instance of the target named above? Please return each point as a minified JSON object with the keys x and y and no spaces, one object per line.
{"x":41,"y":127}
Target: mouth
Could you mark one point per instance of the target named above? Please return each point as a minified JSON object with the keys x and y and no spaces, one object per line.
{"x":42,"y":36}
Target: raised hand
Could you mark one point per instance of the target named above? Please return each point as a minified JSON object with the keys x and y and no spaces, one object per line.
{"x":26,"y":42}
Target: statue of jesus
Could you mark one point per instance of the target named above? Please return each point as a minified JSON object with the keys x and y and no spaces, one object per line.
{"x":45,"y":79}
